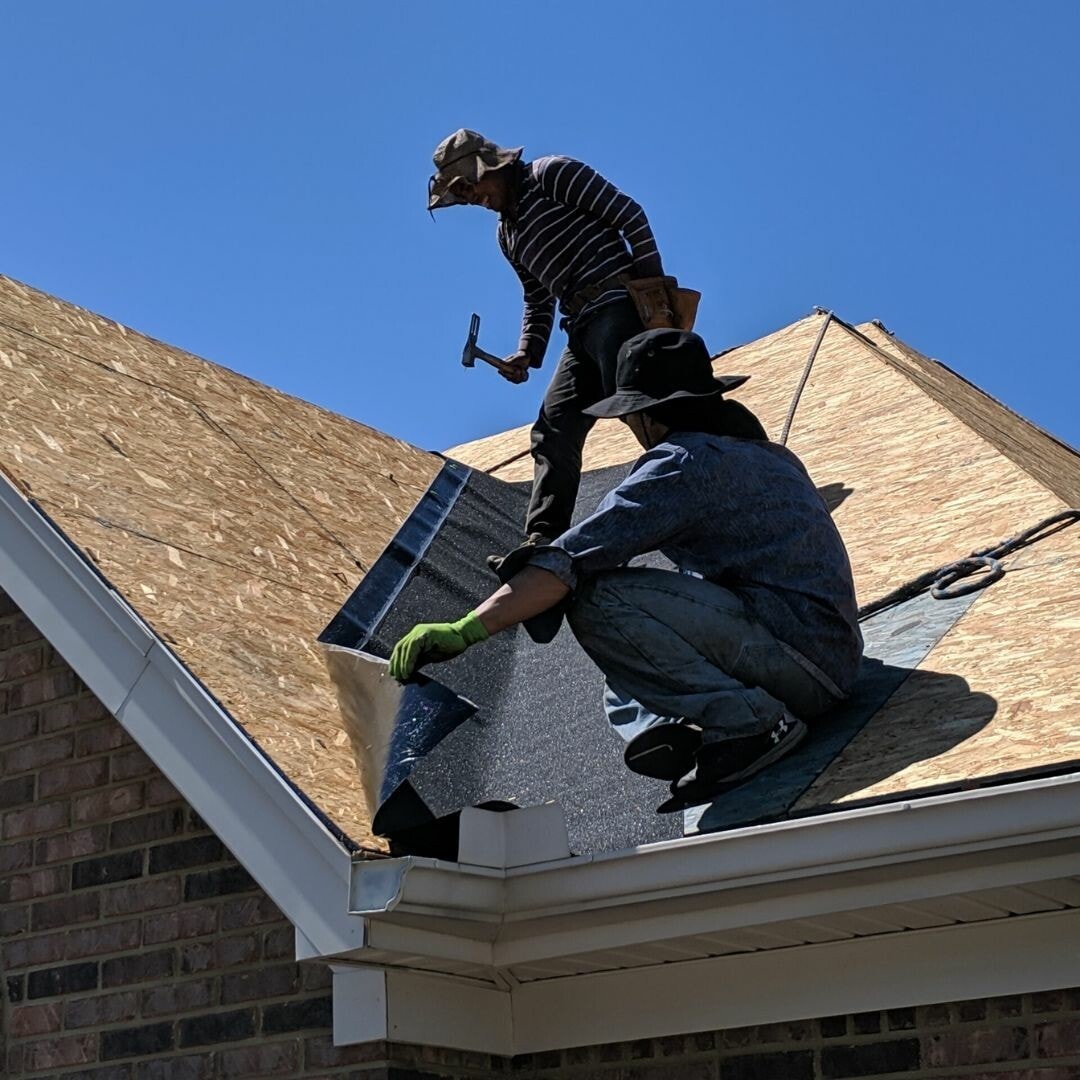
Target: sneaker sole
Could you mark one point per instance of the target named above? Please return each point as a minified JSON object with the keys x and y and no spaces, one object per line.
{"x":795,"y":735}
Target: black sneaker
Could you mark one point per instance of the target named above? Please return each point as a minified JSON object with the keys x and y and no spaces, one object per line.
{"x":664,"y":751}
{"x":722,"y":766}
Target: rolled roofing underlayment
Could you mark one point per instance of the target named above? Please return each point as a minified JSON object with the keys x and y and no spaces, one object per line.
{"x":514,"y":723}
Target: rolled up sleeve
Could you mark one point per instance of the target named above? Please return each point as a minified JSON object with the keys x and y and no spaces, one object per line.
{"x":653,"y":506}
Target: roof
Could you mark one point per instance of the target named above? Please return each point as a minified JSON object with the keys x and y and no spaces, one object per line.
{"x":921,"y":468}
{"x":182,"y":534}
{"x":234,"y":518}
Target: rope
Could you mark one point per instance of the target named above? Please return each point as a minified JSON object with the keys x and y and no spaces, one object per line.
{"x":805,"y":375}
{"x":942,"y":582}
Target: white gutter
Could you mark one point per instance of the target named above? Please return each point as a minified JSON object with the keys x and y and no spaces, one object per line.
{"x":196,"y":744}
{"x":1013,"y":816}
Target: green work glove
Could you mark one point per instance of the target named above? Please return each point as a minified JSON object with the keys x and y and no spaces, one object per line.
{"x":427,"y":642}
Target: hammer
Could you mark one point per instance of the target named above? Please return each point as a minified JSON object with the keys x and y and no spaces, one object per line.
{"x":472,"y":352}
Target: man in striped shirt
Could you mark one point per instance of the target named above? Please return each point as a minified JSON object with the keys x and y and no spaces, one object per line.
{"x":573,"y":238}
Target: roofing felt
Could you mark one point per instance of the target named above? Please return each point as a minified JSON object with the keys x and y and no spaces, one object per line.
{"x":236,"y":520}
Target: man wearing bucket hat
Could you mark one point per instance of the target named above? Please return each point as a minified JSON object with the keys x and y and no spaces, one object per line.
{"x":572,"y":237}
{"x":713,"y":672}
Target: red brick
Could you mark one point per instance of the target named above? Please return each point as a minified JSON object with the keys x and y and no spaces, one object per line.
{"x":14,"y":920}
{"x":16,"y":728}
{"x":43,"y":882}
{"x":32,"y":951}
{"x":60,"y":683}
{"x":264,"y":982}
{"x":58,"y":1052}
{"x":85,"y":709}
{"x":143,"y":895}
{"x":72,"y":845}
{"x":146,"y":828}
{"x":38,"y":754}
{"x":249,"y":911}
{"x":177,"y":997}
{"x":279,"y":943}
{"x":1060,"y":1038}
{"x":17,"y":665}
{"x":100,"y":739}
{"x":321,"y":1053}
{"x":16,"y":856}
{"x":317,"y":976}
{"x":230,"y":951}
{"x":191,"y":1067}
{"x":18,"y":791}
{"x":103,"y":1009}
{"x":44,"y":817}
{"x":159,"y":791}
{"x":131,"y":763}
{"x":80,"y":908}
{"x":185,"y":922}
{"x":108,"y":803}
{"x":24,"y":631}
{"x":975,"y":1046}
{"x":35,"y":1020}
{"x":62,"y":779}
{"x":268,"y":1059}
{"x":106,"y":938}
{"x":139,"y":967}
{"x":1060,"y":1072}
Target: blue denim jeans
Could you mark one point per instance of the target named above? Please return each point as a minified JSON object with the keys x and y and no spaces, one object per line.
{"x":675,"y":647}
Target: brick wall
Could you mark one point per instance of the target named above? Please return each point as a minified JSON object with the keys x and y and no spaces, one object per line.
{"x":134,"y":947}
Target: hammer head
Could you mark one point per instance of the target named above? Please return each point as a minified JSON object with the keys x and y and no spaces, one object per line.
{"x":468,"y":354}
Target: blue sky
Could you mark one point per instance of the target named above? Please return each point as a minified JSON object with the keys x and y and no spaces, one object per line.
{"x":247,"y":179}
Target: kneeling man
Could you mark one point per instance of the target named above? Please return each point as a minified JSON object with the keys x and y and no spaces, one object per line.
{"x":718,"y":667}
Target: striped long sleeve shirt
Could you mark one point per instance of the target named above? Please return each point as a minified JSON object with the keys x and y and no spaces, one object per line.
{"x":571,"y":229}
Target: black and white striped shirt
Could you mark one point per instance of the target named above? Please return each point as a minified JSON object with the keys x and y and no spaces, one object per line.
{"x":569,"y":230}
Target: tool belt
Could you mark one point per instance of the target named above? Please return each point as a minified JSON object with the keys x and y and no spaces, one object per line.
{"x":574,"y":305}
{"x":660,"y":302}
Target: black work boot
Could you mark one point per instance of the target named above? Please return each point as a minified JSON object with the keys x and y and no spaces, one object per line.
{"x":722,"y":766}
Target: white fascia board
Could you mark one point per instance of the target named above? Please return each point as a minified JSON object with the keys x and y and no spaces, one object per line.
{"x":424,"y":1009}
{"x":891,"y":971}
{"x":195,"y":743}
{"x":845,"y":860}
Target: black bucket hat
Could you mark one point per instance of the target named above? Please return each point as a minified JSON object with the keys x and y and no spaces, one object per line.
{"x":662,"y":365}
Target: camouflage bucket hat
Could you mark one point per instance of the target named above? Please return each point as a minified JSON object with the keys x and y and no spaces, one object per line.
{"x":464,"y":156}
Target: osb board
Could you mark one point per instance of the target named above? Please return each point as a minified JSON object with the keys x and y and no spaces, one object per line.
{"x":235,"y":519}
{"x":997,"y":695}
{"x":780,"y":354}
{"x":1049,"y":460}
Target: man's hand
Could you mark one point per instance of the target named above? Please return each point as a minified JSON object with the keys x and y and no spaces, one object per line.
{"x":433,"y":642}
{"x":519,"y":367}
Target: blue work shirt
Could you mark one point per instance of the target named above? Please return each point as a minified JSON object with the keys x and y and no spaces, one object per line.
{"x":745,"y":515}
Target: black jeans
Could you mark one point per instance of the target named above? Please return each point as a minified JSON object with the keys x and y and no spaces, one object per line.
{"x":585,"y":374}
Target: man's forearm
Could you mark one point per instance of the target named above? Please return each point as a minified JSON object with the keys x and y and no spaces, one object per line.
{"x":526,"y":594}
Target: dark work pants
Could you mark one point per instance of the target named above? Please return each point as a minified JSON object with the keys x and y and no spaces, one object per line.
{"x":585,"y":374}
